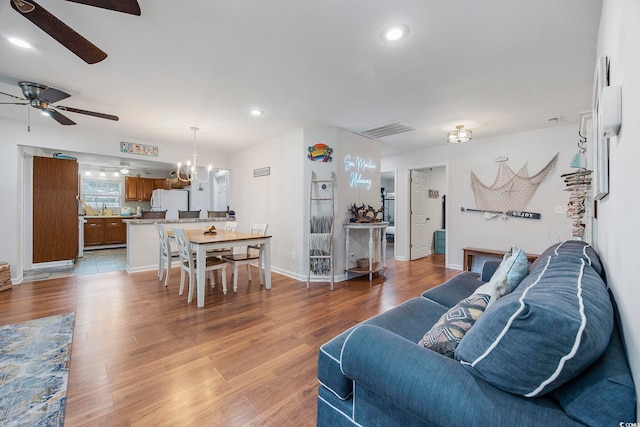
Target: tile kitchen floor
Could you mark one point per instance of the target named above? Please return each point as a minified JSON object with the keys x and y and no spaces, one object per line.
{"x":95,"y":261}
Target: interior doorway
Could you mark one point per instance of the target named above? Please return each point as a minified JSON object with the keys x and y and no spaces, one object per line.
{"x":427,"y":234}
{"x":388,"y":200}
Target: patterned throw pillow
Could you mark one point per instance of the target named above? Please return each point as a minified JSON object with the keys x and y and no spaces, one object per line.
{"x":515,"y":266}
{"x":445,"y":335}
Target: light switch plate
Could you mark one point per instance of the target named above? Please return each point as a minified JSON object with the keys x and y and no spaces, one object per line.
{"x":561,"y":210}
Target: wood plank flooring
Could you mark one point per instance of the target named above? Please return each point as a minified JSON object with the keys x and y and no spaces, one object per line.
{"x":143,"y":356}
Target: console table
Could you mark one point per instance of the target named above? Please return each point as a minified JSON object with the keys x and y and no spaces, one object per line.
{"x":469,"y":253}
{"x":376,"y":245}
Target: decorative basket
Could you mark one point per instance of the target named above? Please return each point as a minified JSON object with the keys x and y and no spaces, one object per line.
{"x":363,"y":262}
{"x":5,"y":277}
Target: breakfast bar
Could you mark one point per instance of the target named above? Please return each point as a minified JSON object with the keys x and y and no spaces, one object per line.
{"x":142,"y":238}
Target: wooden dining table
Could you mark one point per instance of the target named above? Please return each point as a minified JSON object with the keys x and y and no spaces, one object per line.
{"x":201,"y":243}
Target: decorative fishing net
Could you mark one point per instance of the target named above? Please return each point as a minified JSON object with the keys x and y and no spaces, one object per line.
{"x":511,"y":191}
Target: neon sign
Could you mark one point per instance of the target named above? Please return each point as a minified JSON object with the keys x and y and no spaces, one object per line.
{"x":357,"y":167}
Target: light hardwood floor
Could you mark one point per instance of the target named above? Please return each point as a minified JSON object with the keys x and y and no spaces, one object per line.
{"x":142,"y":356}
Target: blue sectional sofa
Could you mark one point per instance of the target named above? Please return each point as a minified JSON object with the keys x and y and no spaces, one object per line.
{"x":548,"y":353}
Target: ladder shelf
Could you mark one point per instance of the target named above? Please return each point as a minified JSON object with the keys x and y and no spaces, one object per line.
{"x":321,"y":219}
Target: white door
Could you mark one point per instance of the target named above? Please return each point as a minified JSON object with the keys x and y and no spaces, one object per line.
{"x":420,"y":241}
{"x":220,"y":191}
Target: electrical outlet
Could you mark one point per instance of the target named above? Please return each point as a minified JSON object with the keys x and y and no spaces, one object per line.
{"x":352,"y":255}
{"x":293,"y":257}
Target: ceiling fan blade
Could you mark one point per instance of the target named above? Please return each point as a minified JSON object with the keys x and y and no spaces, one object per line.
{"x":88,"y":113}
{"x":13,"y":96}
{"x":125,"y":6}
{"x":14,"y":103}
{"x":59,"y":117}
{"x":60,"y":31}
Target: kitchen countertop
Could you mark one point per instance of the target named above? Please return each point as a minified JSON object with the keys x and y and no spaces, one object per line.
{"x":134,"y":221}
{"x":108,"y":216}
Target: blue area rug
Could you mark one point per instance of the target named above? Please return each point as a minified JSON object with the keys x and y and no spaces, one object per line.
{"x":34,"y":371}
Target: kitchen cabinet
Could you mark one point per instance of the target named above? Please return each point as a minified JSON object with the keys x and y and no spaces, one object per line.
{"x":160,"y":184}
{"x":131,"y":188}
{"x":115,"y":231}
{"x":104,"y":231}
{"x":138,"y":189}
{"x":93,"y":231}
{"x":175,"y":183}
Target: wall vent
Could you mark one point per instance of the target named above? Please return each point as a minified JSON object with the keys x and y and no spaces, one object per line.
{"x":388,"y":129}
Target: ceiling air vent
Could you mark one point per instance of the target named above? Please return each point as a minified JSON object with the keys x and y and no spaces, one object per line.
{"x":389,"y":129}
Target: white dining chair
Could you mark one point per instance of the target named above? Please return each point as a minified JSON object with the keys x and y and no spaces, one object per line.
{"x":228,"y":226}
{"x":252,"y":254}
{"x":188,"y":265}
{"x":165,"y":254}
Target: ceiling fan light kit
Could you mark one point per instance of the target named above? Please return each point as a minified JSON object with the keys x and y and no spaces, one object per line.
{"x":459,"y":135}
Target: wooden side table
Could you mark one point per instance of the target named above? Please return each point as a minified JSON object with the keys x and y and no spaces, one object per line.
{"x":377,"y":244}
{"x":469,"y":253}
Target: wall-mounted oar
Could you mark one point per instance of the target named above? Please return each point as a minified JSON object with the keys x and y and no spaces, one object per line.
{"x":515,"y":214}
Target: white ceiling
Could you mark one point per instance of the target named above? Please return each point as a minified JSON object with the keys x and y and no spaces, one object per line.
{"x":496,"y":66}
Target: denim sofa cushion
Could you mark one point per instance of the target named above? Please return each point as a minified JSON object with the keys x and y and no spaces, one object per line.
{"x":410,"y":320}
{"x":398,"y":383}
{"x":554,"y":325}
{"x":604,"y":391}
{"x":455,"y":289}
{"x":575,"y":248}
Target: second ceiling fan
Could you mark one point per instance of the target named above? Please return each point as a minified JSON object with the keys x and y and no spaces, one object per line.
{"x":69,"y":38}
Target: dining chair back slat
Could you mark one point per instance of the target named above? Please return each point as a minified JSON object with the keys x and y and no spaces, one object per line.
{"x":188,"y":265}
{"x":165,"y":255}
{"x":252,"y":254}
{"x":189,"y":214}
{"x":228,"y":226}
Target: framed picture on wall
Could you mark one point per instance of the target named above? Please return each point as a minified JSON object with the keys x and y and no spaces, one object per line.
{"x":600,"y":146}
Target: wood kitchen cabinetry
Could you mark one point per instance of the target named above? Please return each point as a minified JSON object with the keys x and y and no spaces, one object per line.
{"x":138,"y":189}
{"x":104,"y":231}
{"x":93,"y":231}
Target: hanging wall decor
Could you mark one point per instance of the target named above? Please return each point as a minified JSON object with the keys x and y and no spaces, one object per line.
{"x":600,"y":142}
{"x":143,"y":149}
{"x":320,"y":153}
{"x":510,"y":192}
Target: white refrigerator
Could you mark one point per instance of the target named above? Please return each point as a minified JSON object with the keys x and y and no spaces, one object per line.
{"x":170,"y":200}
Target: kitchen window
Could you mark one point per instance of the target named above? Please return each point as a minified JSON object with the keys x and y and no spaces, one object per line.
{"x":101,"y":194}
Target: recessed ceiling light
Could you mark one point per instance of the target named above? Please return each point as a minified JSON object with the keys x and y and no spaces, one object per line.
{"x":395,"y":32}
{"x":19,"y":43}
{"x":256,"y":112}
